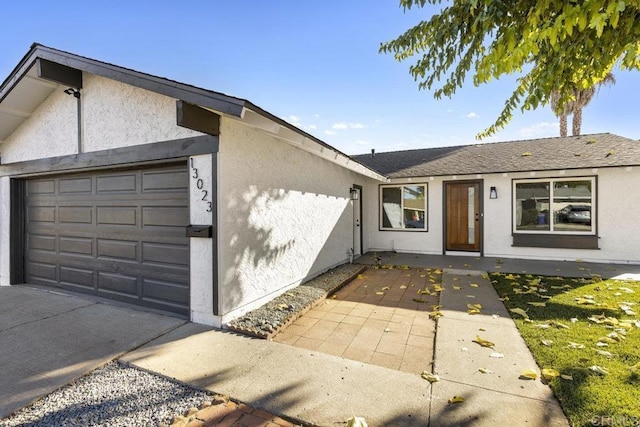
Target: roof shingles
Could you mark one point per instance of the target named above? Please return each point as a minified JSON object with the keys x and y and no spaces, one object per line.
{"x":573,"y":152}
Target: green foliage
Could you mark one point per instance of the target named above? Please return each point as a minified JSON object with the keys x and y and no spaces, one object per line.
{"x":554,"y":45}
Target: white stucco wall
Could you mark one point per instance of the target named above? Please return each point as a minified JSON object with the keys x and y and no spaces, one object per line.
{"x":50,"y":131}
{"x":284,"y":215}
{"x":617,"y":221}
{"x":113,"y":115}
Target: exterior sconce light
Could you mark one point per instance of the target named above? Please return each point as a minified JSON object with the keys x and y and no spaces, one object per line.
{"x":493,"y":193}
{"x":353,"y":193}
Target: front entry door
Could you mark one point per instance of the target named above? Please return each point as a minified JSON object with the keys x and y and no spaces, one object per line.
{"x":357,"y":220}
{"x":462,"y":216}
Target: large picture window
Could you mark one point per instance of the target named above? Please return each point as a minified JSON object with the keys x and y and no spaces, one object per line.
{"x":558,"y":205}
{"x":403,"y":207}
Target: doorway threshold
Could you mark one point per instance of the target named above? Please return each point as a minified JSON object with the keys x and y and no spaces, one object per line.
{"x":463,"y":253}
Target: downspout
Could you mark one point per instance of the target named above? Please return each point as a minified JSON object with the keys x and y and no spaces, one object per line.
{"x":76,"y":95}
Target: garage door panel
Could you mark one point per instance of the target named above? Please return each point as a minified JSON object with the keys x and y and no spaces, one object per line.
{"x":41,"y":214}
{"x":118,"y":283}
{"x":117,"y":249}
{"x":165,"y":216}
{"x":77,"y":277}
{"x":118,"y":183}
{"x":119,"y":234}
{"x":43,"y":186}
{"x":76,"y":246}
{"x":76,"y":214}
{"x":160,"y":291}
{"x":76,"y":185}
{"x":165,"y":254}
{"x":176,"y":181}
{"x":42,"y":242}
{"x":43,"y":273}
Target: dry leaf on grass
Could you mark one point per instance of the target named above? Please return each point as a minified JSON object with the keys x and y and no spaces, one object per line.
{"x":519,"y":311}
{"x":599,"y":370}
{"x":550,"y":373}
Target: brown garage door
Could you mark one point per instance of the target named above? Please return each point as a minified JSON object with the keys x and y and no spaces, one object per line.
{"x":118,"y":234}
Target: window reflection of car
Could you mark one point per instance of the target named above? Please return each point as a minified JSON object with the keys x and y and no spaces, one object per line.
{"x":575,"y":213}
{"x":414,"y":224}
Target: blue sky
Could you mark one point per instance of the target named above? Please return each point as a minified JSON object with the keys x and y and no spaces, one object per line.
{"x":314,"y":64}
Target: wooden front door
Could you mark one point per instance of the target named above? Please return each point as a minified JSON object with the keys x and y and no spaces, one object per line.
{"x":462,"y":216}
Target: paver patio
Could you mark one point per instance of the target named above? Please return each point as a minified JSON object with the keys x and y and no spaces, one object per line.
{"x":366,"y":322}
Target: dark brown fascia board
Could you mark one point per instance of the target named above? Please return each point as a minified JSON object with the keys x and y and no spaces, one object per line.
{"x":196,"y":118}
{"x":58,"y":73}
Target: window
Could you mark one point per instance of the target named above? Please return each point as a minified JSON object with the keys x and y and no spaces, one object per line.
{"x":564,"y":206}
{"x":403,"y":207}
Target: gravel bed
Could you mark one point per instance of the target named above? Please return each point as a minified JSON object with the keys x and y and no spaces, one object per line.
{"x":266,"y":320}
{"x":114,"y":395}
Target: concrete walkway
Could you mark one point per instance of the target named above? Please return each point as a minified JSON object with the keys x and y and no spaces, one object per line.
{"x":326,"y":390}
{"x":48,"y":340}
{"x":497,"y":397}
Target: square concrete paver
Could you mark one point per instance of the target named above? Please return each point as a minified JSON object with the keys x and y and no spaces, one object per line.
{"x":374,"y":319}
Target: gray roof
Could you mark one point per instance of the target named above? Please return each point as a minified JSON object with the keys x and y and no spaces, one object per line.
{"x":572,"y":152}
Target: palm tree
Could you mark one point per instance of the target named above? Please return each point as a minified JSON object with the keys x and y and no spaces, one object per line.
{"x":581,"y":99}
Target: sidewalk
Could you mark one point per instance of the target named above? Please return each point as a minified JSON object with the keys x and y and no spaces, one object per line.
{"x":326,"y":390}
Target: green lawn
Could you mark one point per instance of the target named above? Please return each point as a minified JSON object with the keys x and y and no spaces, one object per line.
{"x":589,"y":332}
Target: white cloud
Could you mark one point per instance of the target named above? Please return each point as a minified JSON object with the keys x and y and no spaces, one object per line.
{"x":312,"y":127}
{"x":295,"y":120}
{"x":329,"y":132}
{"x":471,"y":115}
{"x":345,"y":125}
{"x":361,"y":142}
{"x":540,"y":129}
{"x":449,"y":110}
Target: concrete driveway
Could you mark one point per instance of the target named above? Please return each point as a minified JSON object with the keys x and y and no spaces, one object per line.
{"x":48,"y":339}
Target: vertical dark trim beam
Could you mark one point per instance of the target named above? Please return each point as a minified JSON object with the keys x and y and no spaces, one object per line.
{"x":359,"y":187}
{"x":214,"y":239}
{"x":197,"y":118}
{"x":59,"y":73}
{"x":17,"y":234}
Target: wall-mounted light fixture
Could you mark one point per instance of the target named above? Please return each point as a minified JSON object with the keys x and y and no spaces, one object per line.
{"x":493,"y":193}
{"x":72,"y":91}
{"x":353,"y":193}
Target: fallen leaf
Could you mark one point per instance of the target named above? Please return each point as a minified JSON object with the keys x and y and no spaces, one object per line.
{"x":473,"y":285}
{"x":456,"y":288}
{"x":635,"y":369}
{"x":361,"y":276}
{"x":432,"y":378}
{"x":599,"y":370}
{"x":437,"y":288}
{"x":566,"y":377}
{"x":474,"y":308}
{"x":602,"y":344}
{"x":386,"y":288}
{"x":435,"y":314}
{"x":485,"y":371}
{"x":456,"y":399}
{"x":547,"y":343}
{"x":356,"y":422}
{"x":538,"y":304}
{"x":403,"y":287}
{"x":387,"y":330}
{"x":519,"y":311}
{"x":549,"y":374}
{"x":528,"y":374}
{"x":482,"y":329}
{"x":379,"y":293}
{"x":483,"y":343}
{"x":575,"y":345}
{"x":558,"y":324}
{"x":419,"y":300}
{"x":605,"y":353}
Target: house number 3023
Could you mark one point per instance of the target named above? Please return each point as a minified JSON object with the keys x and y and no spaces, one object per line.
{"x":200,"y":186}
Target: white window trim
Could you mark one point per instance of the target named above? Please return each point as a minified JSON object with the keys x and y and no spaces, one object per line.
{"x":551,"y":225}
{"x":401,"y":186}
